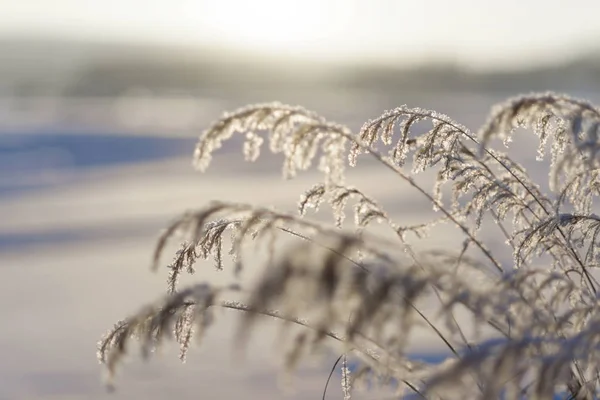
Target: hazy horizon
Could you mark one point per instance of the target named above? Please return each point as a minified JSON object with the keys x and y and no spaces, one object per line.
{"x":481,"y":35}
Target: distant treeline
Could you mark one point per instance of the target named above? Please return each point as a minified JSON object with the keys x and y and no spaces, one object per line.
{"x":163,"y":78}
{"x":578,"y":75}
{"x":115,"y":70}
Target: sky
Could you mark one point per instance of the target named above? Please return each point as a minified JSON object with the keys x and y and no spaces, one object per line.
{"x":479,"y":33}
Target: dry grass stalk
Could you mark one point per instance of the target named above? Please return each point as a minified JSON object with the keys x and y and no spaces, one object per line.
{"x":360,"y":293}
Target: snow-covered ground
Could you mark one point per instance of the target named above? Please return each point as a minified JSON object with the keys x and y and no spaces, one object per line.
{"x":79,"y":216}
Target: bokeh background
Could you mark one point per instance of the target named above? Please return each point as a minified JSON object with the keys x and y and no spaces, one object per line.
{"x":101,"y":103}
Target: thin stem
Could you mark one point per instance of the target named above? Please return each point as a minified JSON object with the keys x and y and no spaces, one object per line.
{"x":331,"y":374}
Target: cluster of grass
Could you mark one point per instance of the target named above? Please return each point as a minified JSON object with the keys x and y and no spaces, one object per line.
{"x":533,"y":327}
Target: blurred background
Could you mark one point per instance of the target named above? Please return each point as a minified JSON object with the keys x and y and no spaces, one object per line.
{"x":101,"y":104}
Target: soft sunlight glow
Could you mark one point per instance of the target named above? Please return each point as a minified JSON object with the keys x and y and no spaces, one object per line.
{"x":266,"y":24}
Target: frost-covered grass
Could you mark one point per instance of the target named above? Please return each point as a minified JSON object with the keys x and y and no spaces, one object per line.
{"x":520,"y":321}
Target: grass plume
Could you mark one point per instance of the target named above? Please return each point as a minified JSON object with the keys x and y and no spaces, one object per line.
{"x":534,"y":316}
